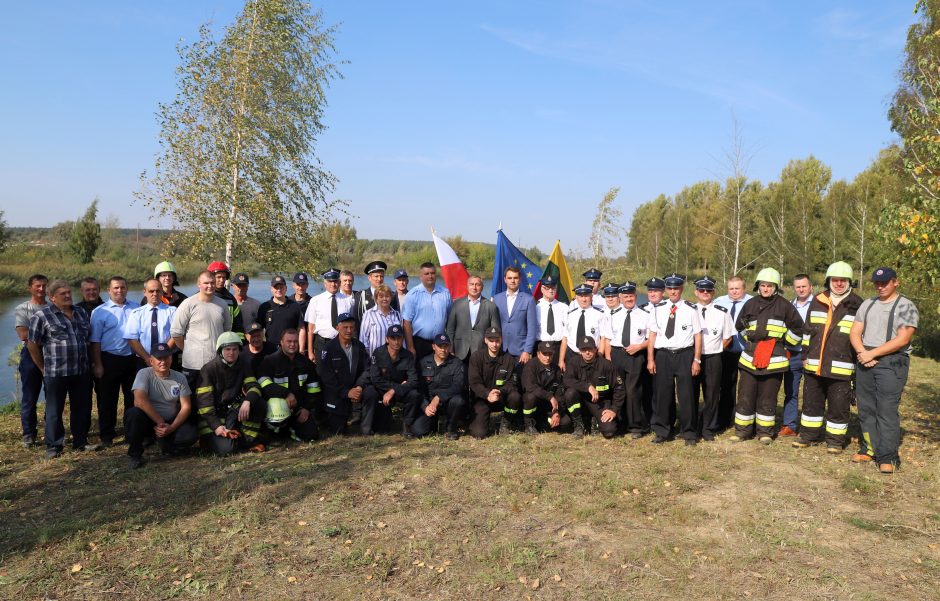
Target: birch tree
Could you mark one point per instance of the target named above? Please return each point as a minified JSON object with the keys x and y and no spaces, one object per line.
{"x":606,"y":230}
{"x":237,"y":170}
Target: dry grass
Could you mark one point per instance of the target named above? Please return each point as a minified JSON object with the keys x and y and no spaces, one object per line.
{"x":514,"y":517}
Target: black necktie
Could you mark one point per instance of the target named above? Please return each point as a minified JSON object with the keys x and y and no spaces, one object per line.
{"x":625,"y":338}
{"x":580,"y":328}
{"x":703,"y":312}
{"x":333,"y":314}
{"x":550,"y":327}
{"x":734,"y":309}
{"x":154,"y":332}
{"x":671,"y":323}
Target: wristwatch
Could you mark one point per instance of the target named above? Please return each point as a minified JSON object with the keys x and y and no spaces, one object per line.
{"x":697,"y":360}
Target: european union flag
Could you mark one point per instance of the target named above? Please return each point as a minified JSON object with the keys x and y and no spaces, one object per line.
{"x":508,"y":255}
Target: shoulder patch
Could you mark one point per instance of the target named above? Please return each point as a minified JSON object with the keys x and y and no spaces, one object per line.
{"x":596,"y":309}
{"x":660,"y":304}
{"x":691,"y":304}
{"x":643,"y":308}
{"x":575,"y":309}
{"x":719,"y":307}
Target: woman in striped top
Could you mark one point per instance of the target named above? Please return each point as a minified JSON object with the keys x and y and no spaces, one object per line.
{"x":375,"y":321}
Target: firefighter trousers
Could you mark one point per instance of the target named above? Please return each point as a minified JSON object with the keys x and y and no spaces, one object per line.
{"x":830,"y":399}
{"x":757,"y":403}
{"x":507,"y":408}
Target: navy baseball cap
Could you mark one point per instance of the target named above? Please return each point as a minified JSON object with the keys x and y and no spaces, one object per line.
{"x":279,"y":280}
{"x":401,"y":273}
{"x":549,"y":281}
{"x":441,"y":340}
{"x":300,"y":278}
{"x":376,"y":266}
{"x":330,"y":275}
{"x":583,"y":289}
{"x":493,"y":332}
{"x":254,"y":327}
{"x":883,"y":274}
{"x":705,"y":283}
{"x":674,"y":280}
{"x":240,"y":279}
{"x":628,"y":288}
{"x":344,"y":317}
{"x":587,"y":342}
{"x":655,"y":283}
{"x":162,"y":350}
{"x":611,"y":289}
{"x":546,"y":348}
{"x":395,"y":331}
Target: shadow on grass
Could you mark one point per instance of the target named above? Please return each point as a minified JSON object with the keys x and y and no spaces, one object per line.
{"x":82,"y":491}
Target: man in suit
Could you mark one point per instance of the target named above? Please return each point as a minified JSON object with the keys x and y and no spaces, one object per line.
{"x":518,"y":317}
{"x":344,"y":361}
{"x":469,"y":318}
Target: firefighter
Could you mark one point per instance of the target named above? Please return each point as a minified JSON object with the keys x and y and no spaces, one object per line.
{"x":391,"y":379}
{"x":441,"y":381}
{"x":493,"y":391}
{"x":768,"y":322}
{"x":343,"y":363}
{"x":220,"y":275}
{"x":287,"y":374}
{"x":228,"y":398}
{"x":541,"y":390}
{"x":829,"y":361}
{"x":592,"y":381}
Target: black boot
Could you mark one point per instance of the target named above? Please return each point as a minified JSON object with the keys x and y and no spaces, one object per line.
{"x":504,"y":425}
{"x":529,"y":422}
{"x":578,"y":426}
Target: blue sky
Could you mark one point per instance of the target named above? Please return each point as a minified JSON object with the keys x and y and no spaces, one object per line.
{"x":464,"y":115}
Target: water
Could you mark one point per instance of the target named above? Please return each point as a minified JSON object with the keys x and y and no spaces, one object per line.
{"x":258,"y":289}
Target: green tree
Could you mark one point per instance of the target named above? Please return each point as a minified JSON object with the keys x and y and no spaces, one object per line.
{"x":4,"y":233}
{"x":606,"y":238}
{"x":85,"y":236}
{"x":237,"y":171}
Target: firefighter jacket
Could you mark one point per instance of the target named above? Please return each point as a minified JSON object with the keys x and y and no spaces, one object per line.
{"x":599,"y":373}
{"x":386,"y":373}
{"x":542,"y":381}
{"x":444,"y":381}
{"x":221,"y":385}
{"x":826,"y":349}
{"x":486,"y":373}
{"x":228,"y":298}
{"x":762,"y":320}
{"x":339,"y":375}
{"x":279,"y":375}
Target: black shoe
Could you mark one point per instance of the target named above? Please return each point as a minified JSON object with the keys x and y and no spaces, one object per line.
{"x":690,"y":442}
{"x":708,"y":437}
{"x":637,"y":435}
{"x":659,"y":439}
{"x":578,"y":428}
{"x":134,"y":462}
{"x":53,"y":453}
{"x":106,"y":444}
{"x":406,"y":431}
{"x":28,"y":441}
{"x":453,"y":435}
{"x":530,"y":425}
{"x":504,"y":427}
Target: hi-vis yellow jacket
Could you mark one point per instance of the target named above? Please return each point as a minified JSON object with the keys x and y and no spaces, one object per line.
{"x":771,"y":318}
{"x":827,"y":352}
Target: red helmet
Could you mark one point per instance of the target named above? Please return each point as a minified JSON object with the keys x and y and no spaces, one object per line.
{"x":216,"y":266}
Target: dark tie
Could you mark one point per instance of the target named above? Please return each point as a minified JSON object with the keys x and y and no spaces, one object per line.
{"x":671,"y":323}
{"x":734,"y":309}
{"x":154,"y":332}
{"x":333,"y":314}
{"x":625,"y":339}
{"x":580,"y":328}
{"x":550,"y":327}
{"x":703,"y":312}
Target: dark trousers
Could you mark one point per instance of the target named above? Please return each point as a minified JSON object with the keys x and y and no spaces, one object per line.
{"x":816,"y":392}
{"x":674,"y":381}
{"x":728,"y":398}
{"x":377,"y":417}
{"x":878,"y":393}
{"x":708,"y":385}
{"x":542,"y":411}
{"x":31,"y":380}
{"x":757,"y":403}
{"x":76,"y":388}
{"x":319,"y":344}
{"x":635,"y":380}
{"x":422,"y":348}
{"x":585,"y":408}
{"x":250,"y":431}
{"x":335,"y":424}
{"x":138,"y":427}
{"x":118,"y":378}
{"x":482,"y":409}
{"x":791,"y":392}
{"x":451,"y":409}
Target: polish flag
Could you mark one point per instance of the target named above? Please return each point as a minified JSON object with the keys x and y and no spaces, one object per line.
{"x":455,"y":274}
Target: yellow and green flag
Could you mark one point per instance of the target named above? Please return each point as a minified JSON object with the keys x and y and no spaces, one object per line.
{"x":558,"y":269}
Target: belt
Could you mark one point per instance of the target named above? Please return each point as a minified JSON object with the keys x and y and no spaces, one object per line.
{"x":675,"y":351}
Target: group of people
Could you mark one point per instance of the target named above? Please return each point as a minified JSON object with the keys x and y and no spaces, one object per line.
{"x":233,"y":373}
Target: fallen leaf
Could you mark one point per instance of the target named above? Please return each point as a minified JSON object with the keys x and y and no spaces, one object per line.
{"x":448,"y":562}
{"x":667,"y":484}
{"x":918,"y":560}
{"x":563,"y":533}
{"x":322,"y":498}
{"x":292,"y":579}
{"x":177,"y":582}
{"x":189,"y":575}
{"x":76,"y":568}
{"x":381,"y":524}
{"x":636,"y":491}
{"x":535,"y":584}
{"x":348,"y":542}
{"x":301,"y":523}
{"x":523,"y":579}
{"x":369,"y":577}
{"x":440,"y":570}
{"x":556,"y":578}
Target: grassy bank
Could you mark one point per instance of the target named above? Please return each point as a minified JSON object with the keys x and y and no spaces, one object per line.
{"x":516,"y":517}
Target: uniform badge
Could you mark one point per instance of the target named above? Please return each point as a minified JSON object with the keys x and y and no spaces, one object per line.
{"x":714,"y":331}
{"x":175,"y":390}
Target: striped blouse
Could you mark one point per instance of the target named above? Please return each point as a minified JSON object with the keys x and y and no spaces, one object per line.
{"x":374,"y":326}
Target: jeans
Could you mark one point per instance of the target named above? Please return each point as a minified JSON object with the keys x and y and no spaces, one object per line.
{"x":77,"y":389}
{"x":791,"y":392}
{"x":31,"y":379}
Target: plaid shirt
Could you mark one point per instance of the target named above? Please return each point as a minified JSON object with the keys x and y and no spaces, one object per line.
{"x":64,"y":341}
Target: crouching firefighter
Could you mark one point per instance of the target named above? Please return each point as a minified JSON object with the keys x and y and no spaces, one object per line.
{"x":228,"y":400}
{"x":288,"y":376}
{"x":542,"y":391}
{"x":768,"y":322}
{"x":829,"y":362}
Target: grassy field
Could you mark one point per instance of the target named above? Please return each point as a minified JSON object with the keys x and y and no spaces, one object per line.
{"x":546,"y":517}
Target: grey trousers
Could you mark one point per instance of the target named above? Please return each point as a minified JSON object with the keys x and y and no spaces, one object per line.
{"x":878,"y":394}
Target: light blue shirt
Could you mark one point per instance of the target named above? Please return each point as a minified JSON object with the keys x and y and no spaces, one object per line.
{"x":107,"y":327}
{"x":734,"y":309}
{"x":474,"y":310}
{"x":427,"y":311}
{"x":803,"y":310}
{"x":139,"y":322}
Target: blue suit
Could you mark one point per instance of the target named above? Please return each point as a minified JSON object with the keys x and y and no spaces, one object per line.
{"x":521,"y":328}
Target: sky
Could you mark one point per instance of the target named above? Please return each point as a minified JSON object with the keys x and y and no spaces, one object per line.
{"x":462,"y":116}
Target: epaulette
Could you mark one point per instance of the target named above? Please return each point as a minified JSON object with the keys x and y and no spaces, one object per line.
{"x":720,"y":308}
{"x":691,"y":304}
{"x":575,"y":309}
{"x":596,"y":309}
{"x":660,"y":304}
{"x":642,"y":309}
{"x":615,"y":310}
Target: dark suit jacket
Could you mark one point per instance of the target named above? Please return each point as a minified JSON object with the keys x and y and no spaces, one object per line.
{"x":521,"y":329}
{"x":466,"y":339}
{"x":337,"y":376}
